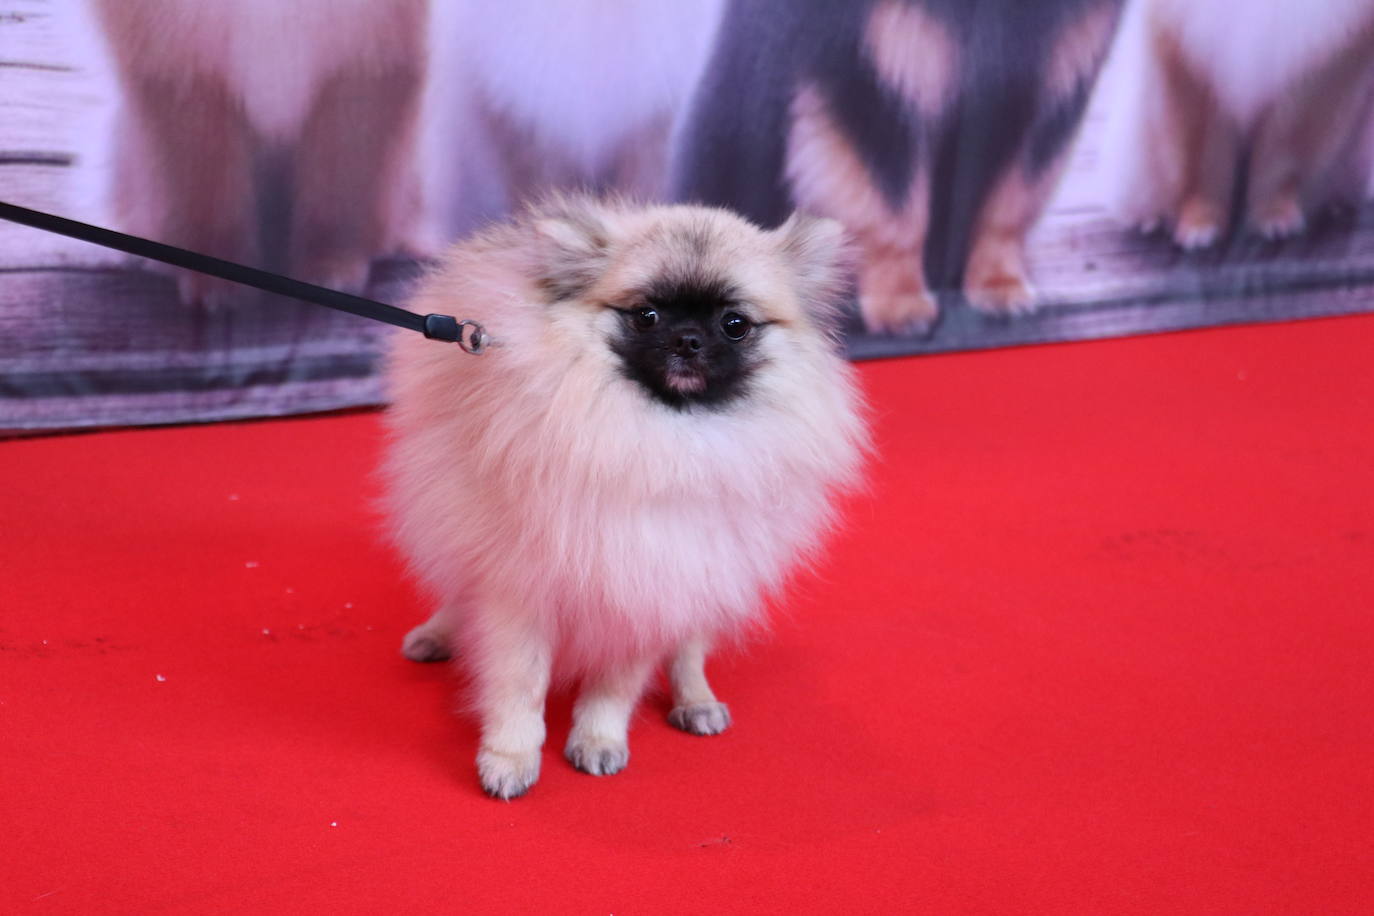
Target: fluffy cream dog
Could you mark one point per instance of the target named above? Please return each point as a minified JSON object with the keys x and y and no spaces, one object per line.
{"x":649,"y":451}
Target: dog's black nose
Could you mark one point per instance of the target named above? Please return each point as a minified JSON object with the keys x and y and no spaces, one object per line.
{"x":688,"y":344}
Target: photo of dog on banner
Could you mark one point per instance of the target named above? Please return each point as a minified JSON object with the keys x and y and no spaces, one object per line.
{"x":974,"y":152}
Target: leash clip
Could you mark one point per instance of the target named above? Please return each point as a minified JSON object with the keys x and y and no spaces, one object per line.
{"x":470,"y":336}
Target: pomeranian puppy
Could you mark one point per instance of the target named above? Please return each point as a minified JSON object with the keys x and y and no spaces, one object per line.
{"x":652,"y":446}
{"x":278,"y":133}
{"x":934,"y":129}
{"x":528,"y":96}
{"x":1288,"y":84}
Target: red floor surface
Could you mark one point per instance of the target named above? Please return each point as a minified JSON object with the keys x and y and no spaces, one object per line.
{"x":1099,"y":641}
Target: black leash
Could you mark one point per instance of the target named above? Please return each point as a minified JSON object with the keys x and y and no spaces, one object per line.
{"x":469,"y":335}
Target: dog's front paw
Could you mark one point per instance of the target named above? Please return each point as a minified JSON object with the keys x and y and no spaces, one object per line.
{"x":913,"y":313}
{"x":1199,"y":224}
{"x":344,"y":271}
{"x":426,"y":643}
{"x":597,"y":756}
{"x":996,"y":282}
{"x":701,"y":718}
{"x":1280,"y":218}
{"x":210,"y":293}
{"x":1007,"y":292}
{"x":507,"y":775}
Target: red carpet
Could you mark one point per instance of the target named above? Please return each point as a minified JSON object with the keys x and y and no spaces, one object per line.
{"x":1098,"y":641}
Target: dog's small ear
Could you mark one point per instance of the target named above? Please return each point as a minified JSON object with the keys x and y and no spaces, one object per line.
{"x":572,"y":245}
{"x":821,"y":257}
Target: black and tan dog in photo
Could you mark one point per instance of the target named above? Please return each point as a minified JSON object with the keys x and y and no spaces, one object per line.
{"x":936,"y":130}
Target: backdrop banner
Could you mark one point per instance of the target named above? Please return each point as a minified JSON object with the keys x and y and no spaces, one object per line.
{"x":1011,"y":172}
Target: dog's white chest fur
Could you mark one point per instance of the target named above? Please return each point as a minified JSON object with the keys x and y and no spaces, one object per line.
{"x":629,"y":530}
{"x":582,"y":72}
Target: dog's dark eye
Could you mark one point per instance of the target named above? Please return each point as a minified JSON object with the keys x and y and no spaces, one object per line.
{"x":735,"y":325}
{"x":644,"y":318}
